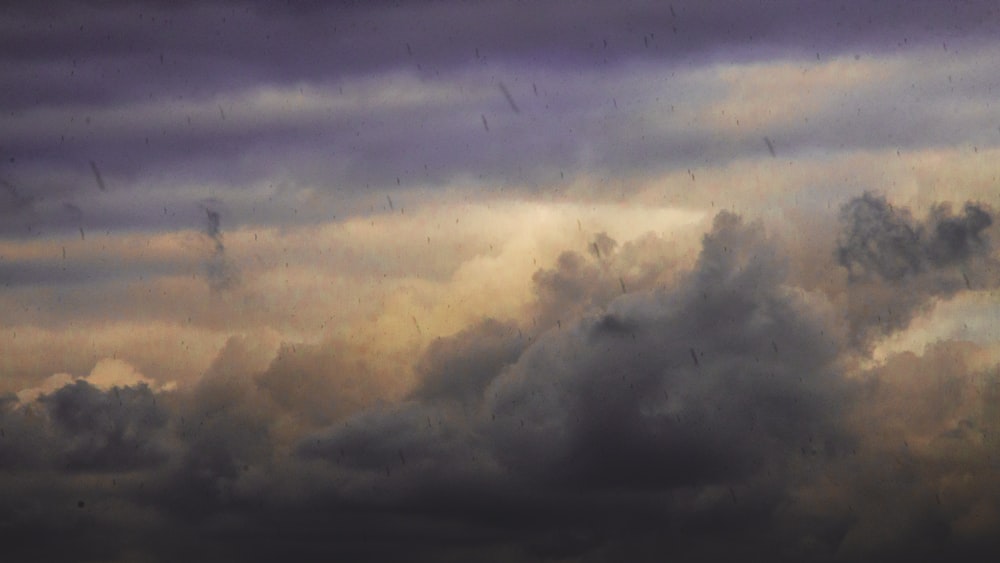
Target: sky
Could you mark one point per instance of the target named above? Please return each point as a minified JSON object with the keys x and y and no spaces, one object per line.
{"x":504,"y":281}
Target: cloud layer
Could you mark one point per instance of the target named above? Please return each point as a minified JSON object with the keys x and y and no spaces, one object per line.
{"x":496,"y":282}
{"x":726,"y":407}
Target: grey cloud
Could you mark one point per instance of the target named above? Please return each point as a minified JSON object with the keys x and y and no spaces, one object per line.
{"x":567,"y":290}
{"x":584,"y":284}
{"x":618,"y":402}
{"x":591,"y":413}
{"x":46,"y":198}
{"x":69,"y":110}
{"x":462,"y":366}
{"x":957,"y":239}
{"x":80,"y":428}
{"x":224,"y":426}
{"x":408,"y":439}
{"x":881,"y":245}
{"x":887,"y":242}
{"x":220,"y":271}
{"x":116,"y":430}
{"x":600,"y":439}
{"x":610,"y":403}
{"x":879,"y":240}
{"x":22,"y":432}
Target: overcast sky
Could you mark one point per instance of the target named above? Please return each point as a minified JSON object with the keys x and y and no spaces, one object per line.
{"x":499,"y":281}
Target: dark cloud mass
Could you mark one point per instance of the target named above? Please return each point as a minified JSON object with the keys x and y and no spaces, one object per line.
{"x":887,"y":242}
{"x":116,"y":430}
{"x":82,"y":429}
{"x":592,"y":437}
{"x":897,"y":265}
{"x":499,"y":281}
{"x":461,"y":367}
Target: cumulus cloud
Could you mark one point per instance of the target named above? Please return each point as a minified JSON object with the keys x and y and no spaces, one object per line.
{"x":879,"y":240}
{"x":917,"y":485}
{"x":662,"y":388}
{"x":725,"y":396}
{"x":459,"y":368}
{"x":898,"y":265}
{"x":81,"y":428}
{"x":685,"y":411}
{"x":610,"y":403}
{"x":115,"y":430}
{"x":371,"y":366}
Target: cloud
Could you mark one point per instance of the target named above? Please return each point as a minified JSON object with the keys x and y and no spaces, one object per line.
{"x":618,"y":401}
{"x":626,"y":112}
{"x":698,"y":407}
{"x":887,"y":242}
{"x":76,"y":427}
{"x":321,"y":383}
{"x":404,"y":337}
{"x":220,"y":271}
{"x":918,"y":486}
{"x":897,"y":265}
{"x":460,"y":368}
{"x":106,"y":374}
{"x":610,"y":402}
{"x":21,"y":433}
{"x":115,"y":430}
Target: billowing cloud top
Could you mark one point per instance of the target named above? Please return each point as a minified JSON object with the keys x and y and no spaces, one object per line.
{"x":448,"y":281}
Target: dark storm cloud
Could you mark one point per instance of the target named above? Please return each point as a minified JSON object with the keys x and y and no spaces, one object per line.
{"x":403,"y":439}
{"x":225,"y":428}
{"x":601,"y":407}
{"x":586,"y":442}
{"x":885,"y":241}
{"x":115,"y":430}
{"x":957,"y":239}
{"x":80,"y":428}
{"x":634,"y":412}
{"x":897,"y":265}
{"x":599,"y":438}
{"x":606,"y":408}
{"x":460,"y":367}
{"x":21,"y":432}
{"x":607,"y":404}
